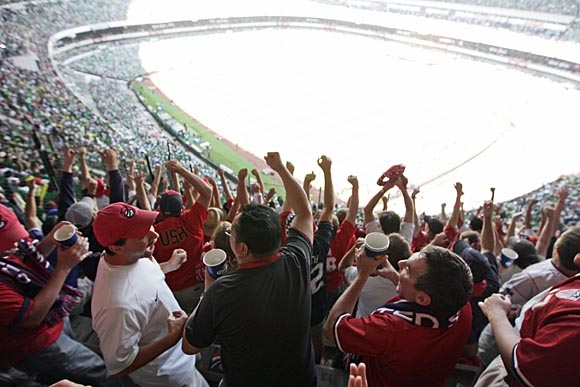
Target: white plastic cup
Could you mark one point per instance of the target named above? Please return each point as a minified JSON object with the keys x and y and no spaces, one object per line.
{"x":215,"y":261}
{"x":508,"y":256}
{"x":66,"y":235}
{"x":376,"y":244}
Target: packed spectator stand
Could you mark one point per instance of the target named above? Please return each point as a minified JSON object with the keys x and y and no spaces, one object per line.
{"x":42,"y":121}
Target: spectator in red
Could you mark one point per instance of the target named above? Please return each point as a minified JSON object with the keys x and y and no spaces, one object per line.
{"x":183,"y":229}
{"x":414,"y":340}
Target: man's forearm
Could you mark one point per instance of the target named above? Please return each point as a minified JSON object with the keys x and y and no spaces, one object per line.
{"x":295,"y":194}
{"x":369,"y":208}
{"x":506,"y":338}
{"x":487,"y":236}
{"x":149,"y":352}
{"x":345,"y":304}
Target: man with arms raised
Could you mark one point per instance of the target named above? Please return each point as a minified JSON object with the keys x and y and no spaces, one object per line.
{"x":261,"y":312}
{"x":416,"y":339}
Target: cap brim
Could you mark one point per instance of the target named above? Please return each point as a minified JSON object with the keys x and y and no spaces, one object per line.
{"x":144,"y":220}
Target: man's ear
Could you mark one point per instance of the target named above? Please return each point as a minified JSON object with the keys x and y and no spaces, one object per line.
{"x":241,"y":250}
{"x":115,"y":248}
{"x":577,"y":259}
{"x":423,"y":298}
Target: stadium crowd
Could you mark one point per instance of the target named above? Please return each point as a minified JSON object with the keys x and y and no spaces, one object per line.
{"x":486,"y":15}
{"x":442,"y":291}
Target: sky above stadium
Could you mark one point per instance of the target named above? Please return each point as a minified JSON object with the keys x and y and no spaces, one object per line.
{"x":369,"y":104}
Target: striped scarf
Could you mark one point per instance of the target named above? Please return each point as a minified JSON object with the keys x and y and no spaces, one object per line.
{"x":29,"y":277}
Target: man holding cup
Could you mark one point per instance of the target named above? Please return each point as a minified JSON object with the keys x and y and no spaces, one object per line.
{"x":415,"y":339}
{"x":261,"y":312}
{"x":35,"y":333}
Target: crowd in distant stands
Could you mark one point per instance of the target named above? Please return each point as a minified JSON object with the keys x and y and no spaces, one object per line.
{"x":147,"y":213}
{"x":484,"y":17}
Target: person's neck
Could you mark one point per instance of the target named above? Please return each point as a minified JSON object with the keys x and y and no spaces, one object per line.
{"x":558,"y":263}
{"x":118,"y":260}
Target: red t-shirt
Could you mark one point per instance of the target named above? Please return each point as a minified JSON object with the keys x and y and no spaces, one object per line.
{"x":183,"y":232}
{"x":400,"y":353}
{"x":546,"y":354}
{"x":420,"y":241}
{"x":339,"y":245}
{"x":17,"y":344}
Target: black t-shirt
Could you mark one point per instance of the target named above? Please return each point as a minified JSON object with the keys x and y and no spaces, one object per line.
{"x":320,"y":248}
{"x":479,"y":320}
{"x":261,"y":316}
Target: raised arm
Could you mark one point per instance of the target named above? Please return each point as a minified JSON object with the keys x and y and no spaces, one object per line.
{"x":306,"y":184}
{"x":203,"y":190}
{"x":443,"y":214}
{"x":189,"y":196}
{"x":242,"y":195}
{"x":562,"y":196}
{"x":402,"y":182}
{"x":85,"y":174}
{"x":325,"y":163}
{"x":294,"y":194}
{"x":131,"y":179}
{"x":175,"y":184}
{"x":487,"y":231}
{"x":369,"y":215}
{"x":528,"y":220}
{"x":548,"y":213}
{"x":225,"y":186}
{"x":269,"y":195}
{"x":115,"y":179}
{"x":287,"y":207}
{"x":30,"y":219}
{"x":156,"y":180}
{"x":512,"y":227}
{"x":415,"y":216}
{"x":454,"y":218}
{"x":354,"y":201}
{"x":258,"y":180}
{"x":66,"y":191}
{"x":216,"y":195}
{"x":139,"y":179}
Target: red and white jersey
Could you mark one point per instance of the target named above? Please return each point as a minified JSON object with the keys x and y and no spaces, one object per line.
{"x":183,"y":232}
{"x":550,"y":336}
{"x":400,"y":353}
{"x":341,"y":242}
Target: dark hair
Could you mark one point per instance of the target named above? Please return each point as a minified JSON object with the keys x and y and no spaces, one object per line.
{"x":120,"y":242}
{"x":341,"y":214}
{"x":568,"y":247}
{"x":259,"y":228}
{"x":447,"y":281}
{"x":398,"y":249}
{"x":476,"y":224}
{"x":472,"y":236}
{"x":435,"y":226}
{"x":390,"y":222}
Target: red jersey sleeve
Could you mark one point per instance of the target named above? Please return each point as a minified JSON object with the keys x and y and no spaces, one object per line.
{"x":361,"y":335}
{"x":538,"y":360}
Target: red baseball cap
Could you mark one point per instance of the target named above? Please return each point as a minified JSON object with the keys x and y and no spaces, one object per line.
{"x":11,"y":230}
{"x":121,"y":220}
